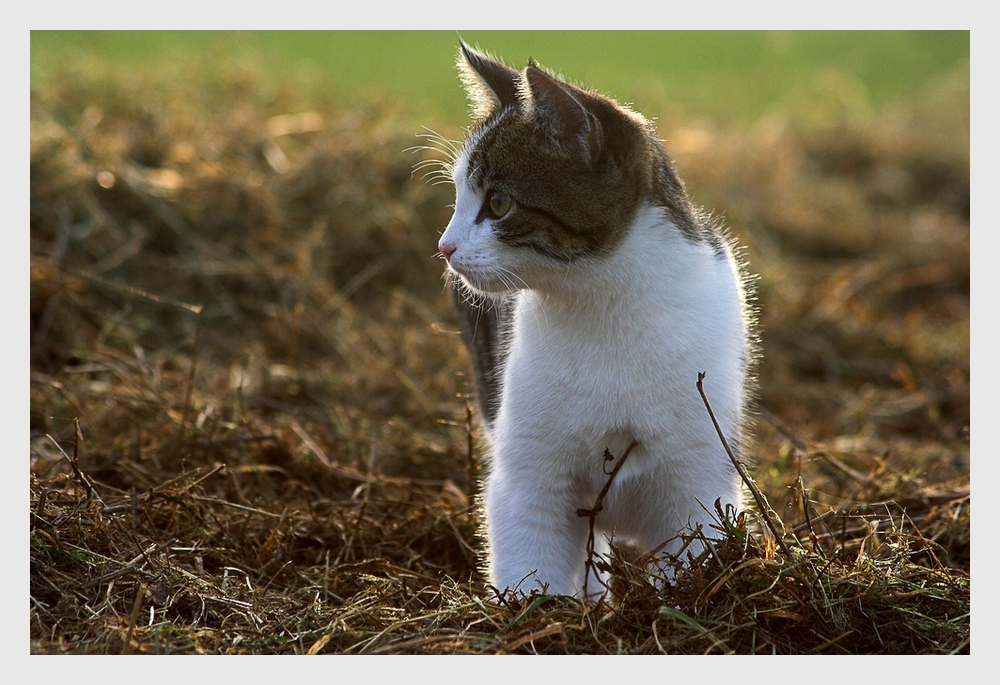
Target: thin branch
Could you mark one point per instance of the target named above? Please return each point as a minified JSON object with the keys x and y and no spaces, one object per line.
{"x":596,"y":509}
{"x":189,"y":385}
{"x":804,"y":495}
{"x":74,"y":461}
{"x":757,"y":495}
{"x":233,"y":505}
{"x":133,"y":618}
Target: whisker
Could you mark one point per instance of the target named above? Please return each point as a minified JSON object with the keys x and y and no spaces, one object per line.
{"x":514,"y":275}
{"x":452,"y":146}
{"x":441,"y":166}
{"x":424,"y":163}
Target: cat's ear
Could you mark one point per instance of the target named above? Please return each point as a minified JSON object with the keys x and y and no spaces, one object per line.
{"x":562,"y":110}
{"x":489,"y":83}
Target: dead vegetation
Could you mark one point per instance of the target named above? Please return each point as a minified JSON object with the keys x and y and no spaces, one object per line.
{"x":250,"y":430}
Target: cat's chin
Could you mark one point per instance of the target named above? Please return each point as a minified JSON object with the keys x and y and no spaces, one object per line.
{"x":487,"y":286}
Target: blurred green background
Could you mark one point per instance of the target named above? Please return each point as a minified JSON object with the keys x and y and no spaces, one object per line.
{"x":728,"y":76}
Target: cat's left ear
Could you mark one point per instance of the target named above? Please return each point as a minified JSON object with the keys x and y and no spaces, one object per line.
{"x":562,"y":109}
{"x":489,"y":83}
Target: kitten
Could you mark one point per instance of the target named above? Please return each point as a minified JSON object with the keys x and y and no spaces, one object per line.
{"x":592,"y":294}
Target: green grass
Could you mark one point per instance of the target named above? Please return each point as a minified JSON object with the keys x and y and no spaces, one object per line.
{"x":726,"y":75}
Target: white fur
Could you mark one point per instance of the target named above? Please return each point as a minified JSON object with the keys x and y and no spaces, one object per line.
{"x":604,"y":351}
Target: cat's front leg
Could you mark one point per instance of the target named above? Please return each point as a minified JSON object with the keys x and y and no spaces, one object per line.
{"x":536,"y":539}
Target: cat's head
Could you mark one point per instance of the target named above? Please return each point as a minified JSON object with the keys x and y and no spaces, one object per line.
{"x":550,"y":175}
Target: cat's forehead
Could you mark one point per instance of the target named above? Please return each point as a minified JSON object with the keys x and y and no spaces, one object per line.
{"x":497,"y":146}
{"x":509,"y":148}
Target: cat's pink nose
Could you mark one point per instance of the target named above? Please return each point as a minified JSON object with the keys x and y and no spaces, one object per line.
{"x":447,"y":249}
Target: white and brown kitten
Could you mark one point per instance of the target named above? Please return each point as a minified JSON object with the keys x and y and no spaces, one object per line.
{"x":592,"y":294}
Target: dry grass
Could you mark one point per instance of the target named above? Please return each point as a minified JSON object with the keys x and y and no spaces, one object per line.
{"x":250,"y":429}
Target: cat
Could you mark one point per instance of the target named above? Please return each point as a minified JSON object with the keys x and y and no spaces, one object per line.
{"x":591,"y":294}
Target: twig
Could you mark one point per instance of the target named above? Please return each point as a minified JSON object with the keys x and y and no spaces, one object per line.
{"x":218,"y":467}
{"x":758,"y":497}
{"x":129,"y":566}
{"x":596,"y":509}
{"x":160,"y":490}
{"x":233,"y":505}
{"x":782,"y":427}
{"x":311,"y":445}
{"x":100,"y":580}
{"x":133,"y":617}
{"x":74,"y":460}
{"x":551,"y":629}
{"x":803,"y":447}
{"x":326,"y":576}
{"x":136,"y":292}
{"x":189,"y":385}
{"x":804,"y":494}
{"x":77,"y":439}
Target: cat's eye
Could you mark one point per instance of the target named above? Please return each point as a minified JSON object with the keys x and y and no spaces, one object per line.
{"x":499,"y":203}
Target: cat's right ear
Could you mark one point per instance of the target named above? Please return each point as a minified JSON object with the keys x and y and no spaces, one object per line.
{"x":489,"y":83}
